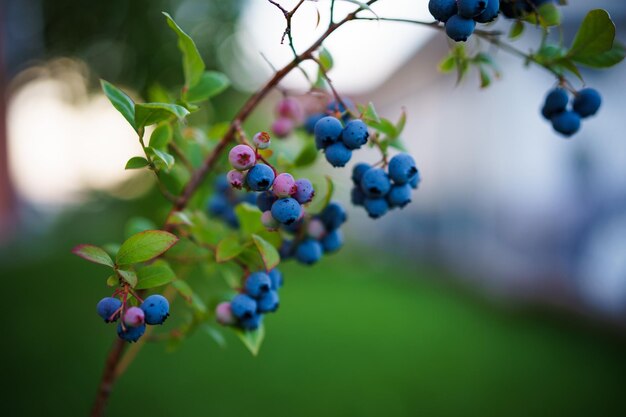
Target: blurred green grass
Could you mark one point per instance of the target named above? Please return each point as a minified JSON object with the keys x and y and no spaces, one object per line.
{"x":362,"y":334}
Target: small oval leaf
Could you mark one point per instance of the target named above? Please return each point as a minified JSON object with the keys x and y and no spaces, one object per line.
{"x":144,"y":246}
{"x":93,"y":254}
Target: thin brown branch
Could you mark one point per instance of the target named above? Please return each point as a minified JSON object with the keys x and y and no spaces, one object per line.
{"x":108,"y":378}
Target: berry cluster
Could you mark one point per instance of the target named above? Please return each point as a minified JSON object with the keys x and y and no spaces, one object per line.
{"x":222,"y":204}
{"x":515,"y":9}
{"x":460,"y":16}
{"x":153,"y":310}
{"x":259,"y":296}
{"x":338,"y":141}
{"x":281,"y":197}
{"x":378,"y":191}
{"x":317,"y":236}
{"x":567,"y":121}
{"x":334,"y":108}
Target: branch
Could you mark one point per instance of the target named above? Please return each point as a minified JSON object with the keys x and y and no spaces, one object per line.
{"x":108,"y":378}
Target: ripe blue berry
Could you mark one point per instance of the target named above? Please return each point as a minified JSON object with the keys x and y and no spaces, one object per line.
{"x":490,"y":13}
{"x":257,"y":284}
{"x":357,"y":196}
{"x":376,"y":207}
{"x":286,"y":249}
{"x":304,"y":191}
{"x":402,"y":168}
{"x":309,"y":124}
{"x":106,"y":307}
{"x":399,"y":195}
{"x":355,"y":134}
{"x":309,"y":251}
{"x":260,"y":177}
{"x":130,"y":334}
{"x":335,"y":106}
{"x":556,"y":102}
{"x":358,"y":171}
{"x":566,"y":123}
{"x":415,"y":180}
{"x":230,"y":217}
{"x":459,"y":28}
{"x":268,"y":302}
{"x":375,"y":183}
{"x":264,"y":200}
{"x":587,"y":102}
{"x":286,"y":210}
{"x":251,"y":323}
{"x":217,"y":205}
{"x":471,"y":8}
{"x":327,"y":131}
{"x":332,"y":241}
{"x":156,"y":309}
{"x":442,"y":10}
{"x":338,"y":154}
{"x":277,"y":278}
{"x":243,"y":306}
{"x":333,"y":216}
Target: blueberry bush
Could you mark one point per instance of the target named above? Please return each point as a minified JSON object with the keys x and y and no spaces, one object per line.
{"x":236,"y":205}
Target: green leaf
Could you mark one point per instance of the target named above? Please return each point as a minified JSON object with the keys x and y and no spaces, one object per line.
{"x":384,"y":126}
{"x":370,"y":113}
{"x":606,"y":59}
{"x":154,"y":275}
{"x":516,"y":29}
{"x":136,"y":225}
{"x":447,"y":64}
{"x":136,"y":162}
{"x":129,"y":276}
{"x":322,"y":197}
{"x":215,"y":334}
{"x":120,"y":101}
{"x":93,"y":254}
{"x":249,"y":217}
{"x":228,"y":248}
{"x":269,"y":254}
{"x":211,"y":83}
{"x":193,"y":65}
{"x":183,"y":289}
{"x":485,"y":77}
{"x":113,"y":280}
{"x":252,"y":339}
{"x":161,"y":136}
{"x":325,"y":59}
{"x":548,"y":14}
{"x":568,"y":65}
{"x":147,"y":114}
{"x":401,"y":122}
{"x":307,"y":155}
{"x":595,"y":35}
{"x":165,"y":158}
{"x":144,"y":246}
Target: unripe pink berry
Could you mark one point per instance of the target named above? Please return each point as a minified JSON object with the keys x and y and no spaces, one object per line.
{"x":261,"y":140}
{"x":235,"y":178}
{"x":282,"y":127}
{"x":269,"y":221}
{"x":316,"y":229}
{"x":284,"y":185}
{"x":134,"y":317}
{"x":242,"y":157}
{"x":291,"y":109}
{"x":224,"y":315}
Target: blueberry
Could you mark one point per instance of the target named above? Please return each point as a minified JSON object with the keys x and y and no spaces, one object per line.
{"x":249,"y":198}
{"x":217,"y":205}
{"x":243,"y":306}
{"x":399,"y":195}
{"x":332,"y":241}
{"x":134,"y":317}
{"x":336,"y":107}
{"x":260,"y":177}
{"x":375,"y":183}
{"x":106,"y":307}
{"x":309,"y":251}
{"x":295,"y":227}
{"x":402,"y":168}
{"x":277,"y":278}
{"x":556,"y":102}
{"x":235,"y":178}
{"x":357,"y":196}
{"x":242,"y":157}
{"x":327,"y":131}
{"x":290,"y":108}
{"x":355,"y":134}
{"x":358,"y":171}
{"x":333,"y":216}
{"x":587,"y":102}
{"x":130,"y":334}
{"x":221,"y":184}
{"x":415,"y":180}
{"x":264,"y":200}
{"x":316,"y":229}
{"x":459,"y":28}
{"x":286,"y":249}
{"x":442,"y":10}
{"x":286,"y":210}
{"x":257,"y":284}
{"x":251,"y":323}
{"x":156,"y":309}
{"x":490,"y":13}
{"x":282,"y":127}
{"x":468,"y":9}
{"x":376,"y":207}
{"x":304,"y":191}
{"x":284,"y":185}
{"x":268,"y":302}
{"x":224,"y":314}
{"x":566,"y":123}
{"x":261,"y":140}
{"x":338,"y":154}
{"x":309,"y":124}
{"x":230,"y":217}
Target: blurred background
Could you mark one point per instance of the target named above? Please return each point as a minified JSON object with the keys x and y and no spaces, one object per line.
{"x":500,"y":290}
